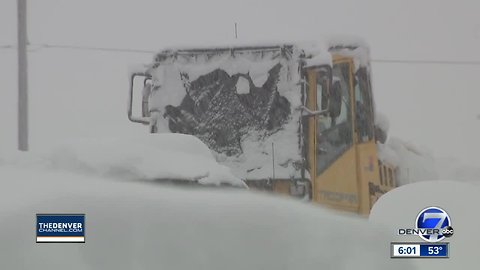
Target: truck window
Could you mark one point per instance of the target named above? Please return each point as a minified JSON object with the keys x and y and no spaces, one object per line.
{"x":334,"y":130}
{"x":363,"y":108}
{"x":323,"y":122}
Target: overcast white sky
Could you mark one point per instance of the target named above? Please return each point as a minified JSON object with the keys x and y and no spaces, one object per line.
{"x":83,"y":93}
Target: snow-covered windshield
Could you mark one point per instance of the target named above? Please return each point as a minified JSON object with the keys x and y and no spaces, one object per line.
{"x":238,"y":105}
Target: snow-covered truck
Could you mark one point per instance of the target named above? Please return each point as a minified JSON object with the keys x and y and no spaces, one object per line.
{"x":295,"y":118}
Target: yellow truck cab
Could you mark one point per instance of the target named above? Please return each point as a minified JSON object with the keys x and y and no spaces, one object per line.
{"x":296,"y":119}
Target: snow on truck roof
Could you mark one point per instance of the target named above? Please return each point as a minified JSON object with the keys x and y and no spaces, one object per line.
{"x":322,"y":44}
{"x":318,"y":50}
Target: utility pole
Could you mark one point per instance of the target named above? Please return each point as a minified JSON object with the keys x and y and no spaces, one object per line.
{"x":236,"y":32}
{"x":273,"y":161}
{"x":22,"y":76}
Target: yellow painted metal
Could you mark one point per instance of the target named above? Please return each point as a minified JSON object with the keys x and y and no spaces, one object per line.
{"x":368,"y":175}
{"x":352,"y":182}
{"x":337,"y":185}
{"x":281,"y":186}
{"x":311,"y":104}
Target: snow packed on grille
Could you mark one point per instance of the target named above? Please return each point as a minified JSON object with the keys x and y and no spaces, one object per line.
{"x":414,"y":164}
{"x":240,"y":100}
{"x":146,"y":157}
{"x":140,"y":225}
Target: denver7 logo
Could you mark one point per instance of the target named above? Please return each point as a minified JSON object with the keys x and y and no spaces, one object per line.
{"x":433,"y":218}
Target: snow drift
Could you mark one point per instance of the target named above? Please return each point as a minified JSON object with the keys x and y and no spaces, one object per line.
{"x":413,"y":163}
{"x":132,"y":225}
{"x":416,"y":164}
{"x":146,"y":157}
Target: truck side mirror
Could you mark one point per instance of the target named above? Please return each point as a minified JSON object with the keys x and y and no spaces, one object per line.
{"x":147,"y":90}
{"x":140,"y":83}
{"x":335,"y":100}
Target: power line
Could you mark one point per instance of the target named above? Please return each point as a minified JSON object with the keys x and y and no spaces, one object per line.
{"x":87,"y":48}
{"x":434,"y":62}
{"x":125,"y":50}
{"x":82,"y":48}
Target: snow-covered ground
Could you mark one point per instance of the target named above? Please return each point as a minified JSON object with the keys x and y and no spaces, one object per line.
{"x":143,"y":157}
{"x":134,"y":225}
{"x":400,"y":207}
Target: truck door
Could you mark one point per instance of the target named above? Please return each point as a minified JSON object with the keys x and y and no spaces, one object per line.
{"x":332,"y":152}
{"x":368,"y":167}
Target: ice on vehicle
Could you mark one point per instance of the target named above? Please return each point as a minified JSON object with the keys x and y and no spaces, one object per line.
{"x":243,"y":102}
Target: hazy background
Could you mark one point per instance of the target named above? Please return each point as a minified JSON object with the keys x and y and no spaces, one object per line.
{"x":84,"y":93}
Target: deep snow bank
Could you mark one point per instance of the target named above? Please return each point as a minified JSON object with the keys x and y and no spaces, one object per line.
{"x":449,"y":168}
{"x":416,"y":163}
{"x":400,"y":207}
{"x":132,"y":225}
{"x":146,"y":157}
{"x":413,"y":163}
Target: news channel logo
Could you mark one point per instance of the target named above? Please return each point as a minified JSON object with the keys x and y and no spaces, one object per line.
{"x":60,"y":228}
{"x":433,"y":224}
